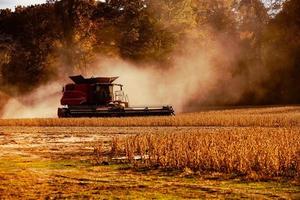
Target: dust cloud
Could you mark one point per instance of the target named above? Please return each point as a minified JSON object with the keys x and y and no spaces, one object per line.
{"x":145,"y":86}
{"x":151,"y":86}
{"x":191,"y":82}
{"x":196,"y":78}
{"x":40,"y":103}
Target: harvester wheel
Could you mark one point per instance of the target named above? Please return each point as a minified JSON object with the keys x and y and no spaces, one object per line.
{"x":63,"y":113}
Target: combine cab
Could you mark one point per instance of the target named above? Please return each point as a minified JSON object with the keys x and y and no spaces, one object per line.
{"x":97,"y":97}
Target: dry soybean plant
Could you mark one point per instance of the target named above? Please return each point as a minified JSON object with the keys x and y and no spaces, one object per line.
{"x":261,"y":152}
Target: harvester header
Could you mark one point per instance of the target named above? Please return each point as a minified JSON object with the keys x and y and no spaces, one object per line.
{"x":98,"y":97}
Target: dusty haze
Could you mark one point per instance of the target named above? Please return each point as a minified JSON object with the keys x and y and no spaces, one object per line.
{"x":194,"y":80}
{"x":144,"y":85}
{"x":40,"y":103}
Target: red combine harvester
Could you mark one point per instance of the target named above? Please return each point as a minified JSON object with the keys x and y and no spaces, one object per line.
{"x":96,"y":97}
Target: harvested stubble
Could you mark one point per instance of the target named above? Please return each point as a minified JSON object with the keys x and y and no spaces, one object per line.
{"x":239,"y":117}
{"x":251,"y":152}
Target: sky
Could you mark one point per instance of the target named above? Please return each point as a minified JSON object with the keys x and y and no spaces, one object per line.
{"x":12,"y":3}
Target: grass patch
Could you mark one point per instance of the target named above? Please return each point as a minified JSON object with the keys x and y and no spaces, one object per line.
{"x":69,"y":179}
